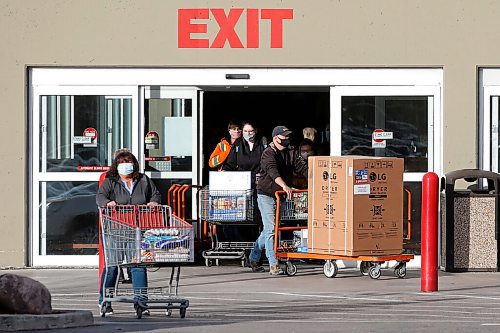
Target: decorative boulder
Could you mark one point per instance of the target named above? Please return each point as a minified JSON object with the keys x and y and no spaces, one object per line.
{"x":23,"y":295}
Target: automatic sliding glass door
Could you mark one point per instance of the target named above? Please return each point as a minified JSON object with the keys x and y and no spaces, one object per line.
{"x":79,"y":130}
{"x":390,"y":121}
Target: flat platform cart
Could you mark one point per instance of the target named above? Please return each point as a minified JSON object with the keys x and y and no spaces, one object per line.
{"x":288,"y":213}
{"x":146,"y":236}
{"x":226,"y":208}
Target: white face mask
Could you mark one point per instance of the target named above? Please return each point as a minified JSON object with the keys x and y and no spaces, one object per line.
{"x":249,"y":136}
{"x":125,"y":168}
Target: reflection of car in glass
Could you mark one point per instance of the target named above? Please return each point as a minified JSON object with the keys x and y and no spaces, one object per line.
{"x":83,"y":156}
{"x":72,"y":218}
{"x":407,"y":142}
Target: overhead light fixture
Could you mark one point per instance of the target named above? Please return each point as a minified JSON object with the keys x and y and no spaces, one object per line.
{"x":238,"y":76}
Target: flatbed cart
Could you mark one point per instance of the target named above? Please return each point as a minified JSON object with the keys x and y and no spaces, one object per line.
{"x":226,"y":208}
{"x":287,"y":211}
{"x":146,"y":236}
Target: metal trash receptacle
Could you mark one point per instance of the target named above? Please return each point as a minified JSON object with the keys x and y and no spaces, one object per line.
{"x":469,"y":222}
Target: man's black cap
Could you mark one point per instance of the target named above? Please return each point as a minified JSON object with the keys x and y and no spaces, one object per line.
{"x":283,"y":130}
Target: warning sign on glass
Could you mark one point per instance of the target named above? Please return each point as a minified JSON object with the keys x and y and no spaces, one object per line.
{"x":152,"y":140}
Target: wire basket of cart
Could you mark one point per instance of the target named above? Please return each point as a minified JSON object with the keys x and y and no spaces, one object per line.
{"x":221,"y":208}
{"x":146,"y":236}
{"x":290,"y":243}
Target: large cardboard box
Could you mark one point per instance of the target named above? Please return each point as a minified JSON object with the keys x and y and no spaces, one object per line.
{"x":355,"y":205}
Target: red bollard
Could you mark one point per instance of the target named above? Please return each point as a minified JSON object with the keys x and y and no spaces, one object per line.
{"x":429,"y":225}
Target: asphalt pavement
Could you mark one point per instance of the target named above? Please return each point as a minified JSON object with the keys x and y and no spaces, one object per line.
{"x":230,"y":298}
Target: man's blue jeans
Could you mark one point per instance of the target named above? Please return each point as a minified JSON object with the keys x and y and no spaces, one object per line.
{"x":267,"y":207}
{"x":139,"y":280}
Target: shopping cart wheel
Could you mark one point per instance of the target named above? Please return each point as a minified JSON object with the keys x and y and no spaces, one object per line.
{"x":375,"y":272}
{"x":168,"y":312}
{"x":290,"y":269}
{"x":208,"y":262}
{"x":330,"y":268}
{"x":216,"y":262}
{"x":400,"y":270}
{"x":364,"y":267}
{"x":182,"y":312}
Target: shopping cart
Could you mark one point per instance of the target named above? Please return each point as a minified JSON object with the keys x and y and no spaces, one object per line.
{"x":145,"y":236}
{"x":227,"y":208}
{"x":289,"y":244}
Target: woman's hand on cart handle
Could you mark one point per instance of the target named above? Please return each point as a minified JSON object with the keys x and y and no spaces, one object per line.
{"x":152,"y":204}
{"x":111,"y":204}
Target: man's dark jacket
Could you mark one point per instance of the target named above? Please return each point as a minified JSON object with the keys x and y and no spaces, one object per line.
{"x":275,"y":163}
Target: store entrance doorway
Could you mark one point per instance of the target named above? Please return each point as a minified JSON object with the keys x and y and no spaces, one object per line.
{"x":295,"y":108}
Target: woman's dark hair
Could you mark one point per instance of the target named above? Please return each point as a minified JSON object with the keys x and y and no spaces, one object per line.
{"x":124,"y":157}
{"x":249,"y":122}
{"x":306,"y":142}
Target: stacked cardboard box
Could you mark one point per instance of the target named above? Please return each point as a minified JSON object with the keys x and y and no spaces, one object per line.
{"x":355,"y":205}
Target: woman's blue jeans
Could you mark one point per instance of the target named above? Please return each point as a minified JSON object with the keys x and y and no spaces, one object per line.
{"x":267,"y":207}
{"x":139,"y":281}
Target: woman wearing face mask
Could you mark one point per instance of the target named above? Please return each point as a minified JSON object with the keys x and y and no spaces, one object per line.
{"x":125,"y":185}
{"x":246,"y":152}
{"x":245,"y":156}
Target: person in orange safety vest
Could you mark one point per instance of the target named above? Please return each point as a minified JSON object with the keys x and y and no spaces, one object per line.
{"x":221,"y":151}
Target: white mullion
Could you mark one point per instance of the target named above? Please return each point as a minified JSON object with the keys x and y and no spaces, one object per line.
{"x":335,"y":122}
{"x":42,"y":235}
{"x":139,"y":120}
{"x":488,"y":92}
{"x":121,"y":122}
{"x":43,"y":135}
{"x":109,"y":129}
{"x":58,"y":127}
{"x":72,"y":122}
{"x":430,"y":133}
{"x":494,"y":133}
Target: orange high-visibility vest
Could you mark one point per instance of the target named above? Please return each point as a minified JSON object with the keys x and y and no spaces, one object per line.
{"x":219,"y":154}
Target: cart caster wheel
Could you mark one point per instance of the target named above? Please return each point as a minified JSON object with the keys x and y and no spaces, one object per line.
{"x":182,"y":312}
{"x":208,"y":262}
{"x":330,"y":268}
{"x":290,"y":269}
{"x":375,"y":272}
{"x":364,"y":267}
{"x":168,"y":312}
{"x":138,"y":312}
{"x":400,"y":270}
{"x":216,"y":262}
{"x":103,"y":309}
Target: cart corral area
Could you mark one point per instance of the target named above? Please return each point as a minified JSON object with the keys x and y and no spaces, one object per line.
{"x":230,"y":298}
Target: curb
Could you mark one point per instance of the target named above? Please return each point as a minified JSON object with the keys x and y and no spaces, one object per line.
{"x":57,"y":319}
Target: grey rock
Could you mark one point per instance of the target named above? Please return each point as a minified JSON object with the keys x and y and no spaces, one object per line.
{"x":23,"y":295}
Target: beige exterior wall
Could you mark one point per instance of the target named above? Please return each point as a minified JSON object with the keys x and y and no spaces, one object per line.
{"x":455,"y":35}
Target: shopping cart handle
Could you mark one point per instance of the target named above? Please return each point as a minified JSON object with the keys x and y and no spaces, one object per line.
{"x":281,"y":192}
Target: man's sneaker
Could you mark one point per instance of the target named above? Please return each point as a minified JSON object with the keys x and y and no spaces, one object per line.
{"x":145,"y":312}
{"x":276,"y":270}
{"x":254,"y":265}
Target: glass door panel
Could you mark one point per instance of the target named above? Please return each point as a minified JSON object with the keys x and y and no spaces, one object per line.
{"x":404,"y":117}
{"x":80,"y":133}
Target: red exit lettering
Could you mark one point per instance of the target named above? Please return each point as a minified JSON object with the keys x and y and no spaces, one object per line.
{"x":227,"y":23}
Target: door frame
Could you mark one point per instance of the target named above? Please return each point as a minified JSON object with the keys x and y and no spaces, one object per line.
{"x":58,"y":81}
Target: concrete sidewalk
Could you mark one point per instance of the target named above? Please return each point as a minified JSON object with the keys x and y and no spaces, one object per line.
{"x":232,"y":298}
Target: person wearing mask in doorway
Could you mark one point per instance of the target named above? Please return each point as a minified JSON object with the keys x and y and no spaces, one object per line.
{"x":221,"y":151}
{"x":245,"y":155}
{"x":278,"y":162}
{"x":125,"y":185}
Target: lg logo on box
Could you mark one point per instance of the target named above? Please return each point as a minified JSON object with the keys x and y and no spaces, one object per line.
{"x":195,"y":21}
{"x":374,"y":176}
{"x":327,"y":176}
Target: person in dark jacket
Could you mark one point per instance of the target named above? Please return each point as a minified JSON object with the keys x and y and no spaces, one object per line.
{"x":246,"y":152}
{"x":277,"y":164}
{"x":245,"y":155}
{"x":125,"y":185}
